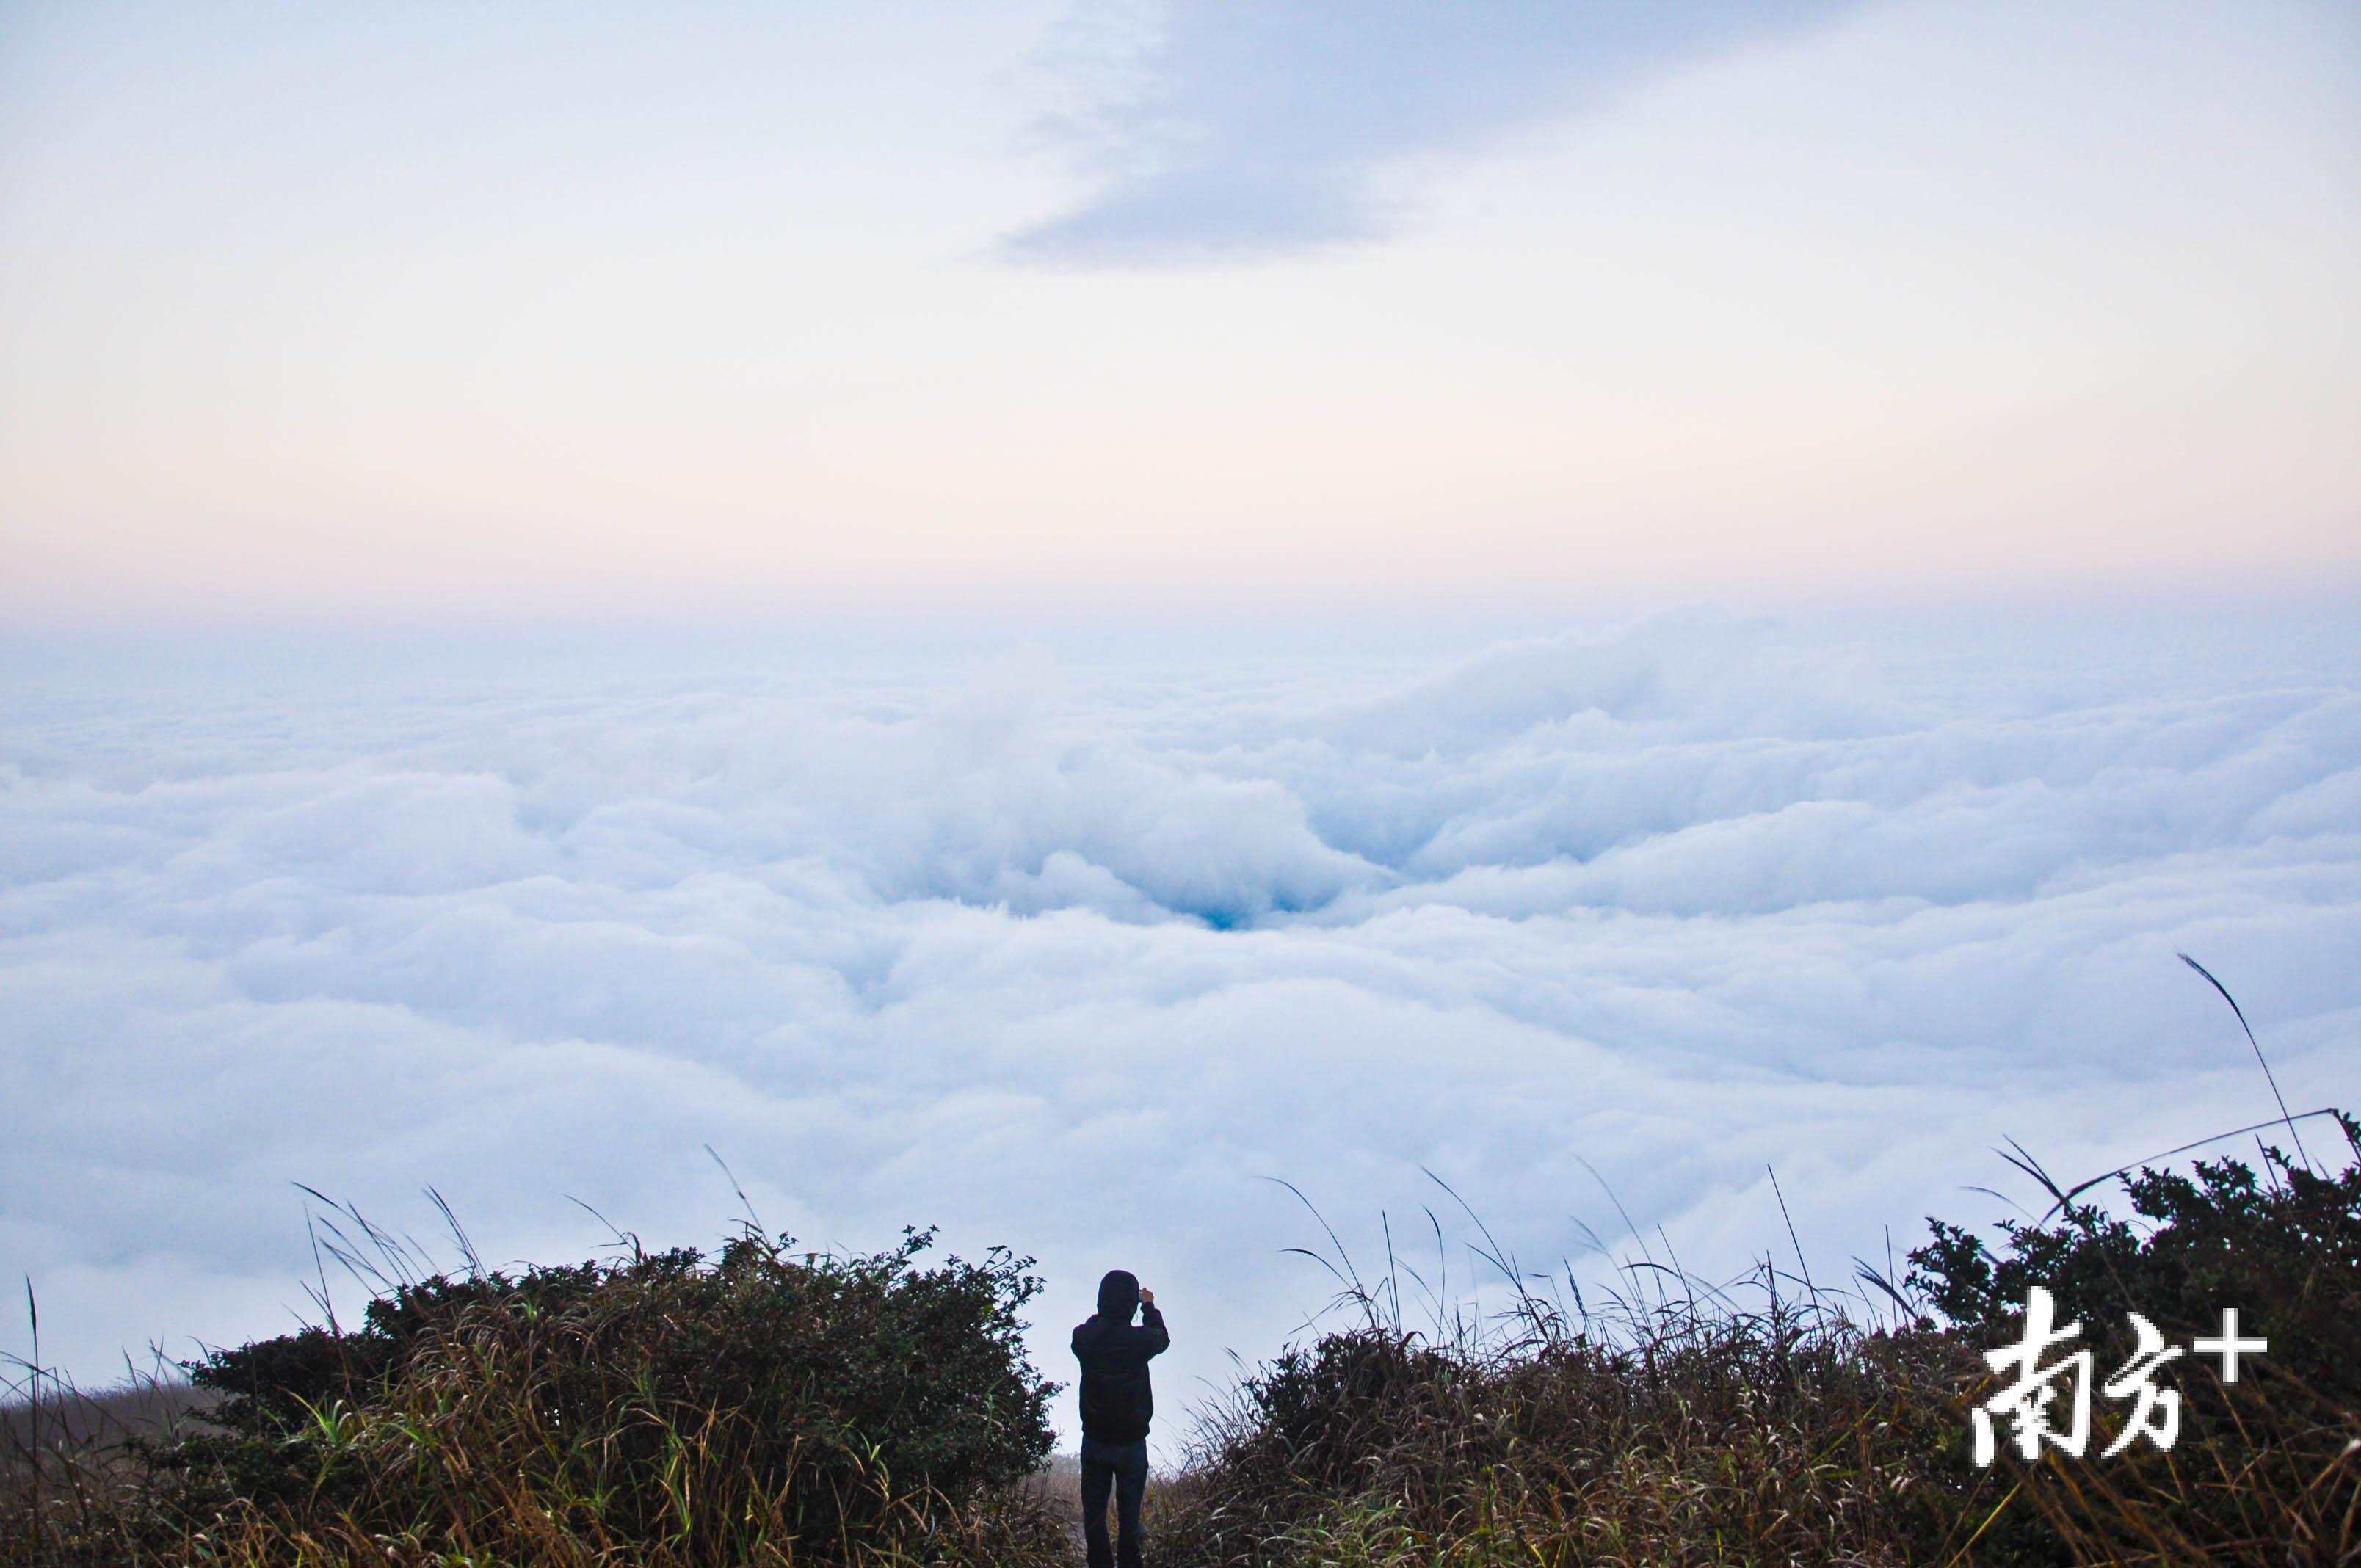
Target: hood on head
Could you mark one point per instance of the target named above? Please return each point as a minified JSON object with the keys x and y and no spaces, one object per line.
{"x":1118,"y":1295}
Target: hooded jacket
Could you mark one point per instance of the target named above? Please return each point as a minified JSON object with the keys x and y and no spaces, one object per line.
{"x":1117,"y":1403}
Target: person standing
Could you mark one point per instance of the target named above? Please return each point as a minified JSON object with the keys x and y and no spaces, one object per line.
{"x":1116,"y":1408}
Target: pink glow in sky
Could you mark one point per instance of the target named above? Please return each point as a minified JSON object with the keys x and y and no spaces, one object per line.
{"x":352,"y":312}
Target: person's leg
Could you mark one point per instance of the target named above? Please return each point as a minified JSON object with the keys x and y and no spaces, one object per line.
{"x":1130,"y":1488}
{"x":1098,"y":1479}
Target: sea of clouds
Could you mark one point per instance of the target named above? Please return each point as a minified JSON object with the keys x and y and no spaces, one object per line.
{"x":1076,"y":954}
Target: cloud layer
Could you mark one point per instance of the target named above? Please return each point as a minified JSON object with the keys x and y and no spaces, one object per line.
{"x":1072,"y":957}
{"x":1226,"y":128}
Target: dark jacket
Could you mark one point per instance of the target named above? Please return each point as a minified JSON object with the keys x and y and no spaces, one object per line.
{"x":1117,"y":1401}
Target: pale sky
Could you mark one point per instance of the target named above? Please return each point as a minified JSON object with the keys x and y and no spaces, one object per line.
{"x":340,"y":312}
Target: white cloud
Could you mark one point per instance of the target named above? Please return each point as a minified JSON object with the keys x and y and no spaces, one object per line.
{"x":1072,"y":957}
{"x":1222,"y":128}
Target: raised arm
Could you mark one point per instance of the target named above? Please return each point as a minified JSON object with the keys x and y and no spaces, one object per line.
{"x":1152,"y":1340}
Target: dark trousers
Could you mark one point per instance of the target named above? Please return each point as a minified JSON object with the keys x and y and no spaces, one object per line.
{"x":1121,"y":1468}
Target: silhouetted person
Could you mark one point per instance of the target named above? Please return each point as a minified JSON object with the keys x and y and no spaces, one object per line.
{"x":1116,"y":1407}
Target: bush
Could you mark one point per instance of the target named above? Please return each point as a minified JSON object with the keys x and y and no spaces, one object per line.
{"x":2284,"y":1247}
{"x":766,"y":1406}
{"x":1694,"y":1432}
{"x":2263,"y":1471}
{"x":1778,"y":1436}
{"x":760,"y":1407}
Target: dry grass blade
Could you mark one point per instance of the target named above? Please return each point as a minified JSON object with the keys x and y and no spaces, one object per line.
{"x":2269,"y":1075}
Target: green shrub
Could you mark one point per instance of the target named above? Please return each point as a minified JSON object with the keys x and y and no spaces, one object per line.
{"x":756,"y":1406}
{"x":1694,"y":1431}
{"x":1779,"y":1436}
{"x":763,"y":1407}
{"x":2262,"y":1471}
{"x":2283,"y":1247}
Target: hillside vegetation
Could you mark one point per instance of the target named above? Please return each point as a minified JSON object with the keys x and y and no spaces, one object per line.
{"x":766,"y":1406}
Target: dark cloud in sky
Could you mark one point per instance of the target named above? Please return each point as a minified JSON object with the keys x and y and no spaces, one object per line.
{"x":1235,"y":127}
{"x":1013,"y":950}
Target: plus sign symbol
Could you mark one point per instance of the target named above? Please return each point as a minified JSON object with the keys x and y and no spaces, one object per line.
{"x":2229,"y":1347}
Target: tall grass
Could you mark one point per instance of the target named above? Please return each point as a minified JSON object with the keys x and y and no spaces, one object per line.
{"x":767,"y":1407}
{"x":763,"y":1407}
{"x":1670,"y":1420}
{"x":1773,"y":1419}
{"x":759,"y":1409}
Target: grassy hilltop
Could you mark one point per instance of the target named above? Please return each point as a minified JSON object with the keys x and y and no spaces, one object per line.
{"x":771,"y":1406}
